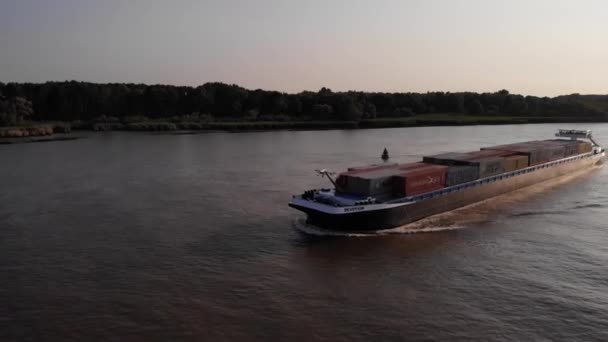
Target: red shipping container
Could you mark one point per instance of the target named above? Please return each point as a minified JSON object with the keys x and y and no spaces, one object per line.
{"x":421,"y":180}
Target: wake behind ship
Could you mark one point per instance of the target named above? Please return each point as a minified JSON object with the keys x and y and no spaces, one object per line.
{"x":388,"y":195}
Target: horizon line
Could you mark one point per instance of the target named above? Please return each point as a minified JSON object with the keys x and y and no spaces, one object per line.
{"x":305,"y":91}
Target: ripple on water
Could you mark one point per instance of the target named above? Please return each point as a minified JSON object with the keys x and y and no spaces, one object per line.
{"x":125,"y":236}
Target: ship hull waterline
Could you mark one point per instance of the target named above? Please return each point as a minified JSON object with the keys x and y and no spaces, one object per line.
{"x":396,"y":216}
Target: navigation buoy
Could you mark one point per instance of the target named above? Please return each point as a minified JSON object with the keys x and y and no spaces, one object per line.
{"x":385,"y":154}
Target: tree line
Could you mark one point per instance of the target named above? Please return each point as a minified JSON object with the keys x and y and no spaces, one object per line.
{"x":71,"y":101}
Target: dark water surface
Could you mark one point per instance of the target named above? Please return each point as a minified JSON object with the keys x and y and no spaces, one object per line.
{"x":124,"y":236}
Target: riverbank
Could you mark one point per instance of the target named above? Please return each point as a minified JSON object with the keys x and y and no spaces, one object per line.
{"x":466,"y":120}
{"x":414,"y":121}
{"x":35,"y":130}
{"x":49,"y":129}
{"x":9,"y":141}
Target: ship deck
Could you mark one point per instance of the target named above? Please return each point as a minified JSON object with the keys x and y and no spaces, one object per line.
{"x":322,"y":213}
{"x":491,"y":179}
{"x":332,"y":199}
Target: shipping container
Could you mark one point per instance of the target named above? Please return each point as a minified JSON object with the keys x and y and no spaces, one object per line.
{"x":372,"y":183}
{"x":557,"y":152}
{"x":570,"y":150}
{"x":570,"y":146}
{"x":341,"y":182}
{"x":507,"y":147}
{"x":464,"y":158}
{"x":537,"y":156}
{"x":461,"y":174}
{"x":583,"y":147}
{"x":410,"y":166}
{"x":551,"y":151}
{"x":446,"y":159}
{"x":375,"y":180}
{"x":486,"y":154}
{"x":488,"y":163}
{"x":372,"y":167}
{"x":490,"y":166}
{"x":515,"y":162}
{"x":537,"y":153}
{"x":418,"y":181}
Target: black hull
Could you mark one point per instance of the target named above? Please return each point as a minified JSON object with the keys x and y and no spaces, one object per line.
{"x":387,"y":218}
{"x":362,"y":221}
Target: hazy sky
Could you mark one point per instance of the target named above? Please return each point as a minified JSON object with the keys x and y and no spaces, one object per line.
{"x":532,"y":47}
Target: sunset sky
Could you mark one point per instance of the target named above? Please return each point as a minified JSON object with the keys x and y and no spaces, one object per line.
{"x":544,"y":48}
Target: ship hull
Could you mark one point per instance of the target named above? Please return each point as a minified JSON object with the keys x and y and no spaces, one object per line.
{"x":398,"y":215}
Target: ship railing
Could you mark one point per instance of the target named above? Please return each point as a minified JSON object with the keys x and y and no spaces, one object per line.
{"x":574,"y":133}
{"x":490,"y":179}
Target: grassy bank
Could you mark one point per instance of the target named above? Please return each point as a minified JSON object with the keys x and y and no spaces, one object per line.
{"x":46,"y":129}
{"x":463,"y":120}
{"x":421,"y":120}
{"x":9,"y":141}
{"x":34,"y":130}
{"x":159,"y":126}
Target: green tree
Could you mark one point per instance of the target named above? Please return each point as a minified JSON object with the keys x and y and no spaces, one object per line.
{"x":369,"y":110}
{"x":323,"y":111}
{"x":476,"y":108}
{"x":348,"y":109}
{"x":14,"y":111}
{"x":403,"y":112}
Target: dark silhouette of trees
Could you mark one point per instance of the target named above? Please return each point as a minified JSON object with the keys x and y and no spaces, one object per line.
{"x":403,"y":112}
{"x":14,"y":110}
{"x":70,"y":101}
{"x":322,"y":111}
{"x":476,"y":108}
{"x":347,"y":108}
{"x":369,"y":110}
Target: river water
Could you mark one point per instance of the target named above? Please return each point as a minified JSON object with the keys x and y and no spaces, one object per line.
{"x":124,"y":236}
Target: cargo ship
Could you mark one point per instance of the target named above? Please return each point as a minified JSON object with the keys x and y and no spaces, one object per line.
{"x":388,"y":195}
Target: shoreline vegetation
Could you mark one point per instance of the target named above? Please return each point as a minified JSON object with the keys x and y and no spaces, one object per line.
{"x":44,"y":109}
{"x":34,"y":129}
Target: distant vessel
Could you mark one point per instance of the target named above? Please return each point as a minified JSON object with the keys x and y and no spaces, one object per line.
{"x":388,"y":195}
